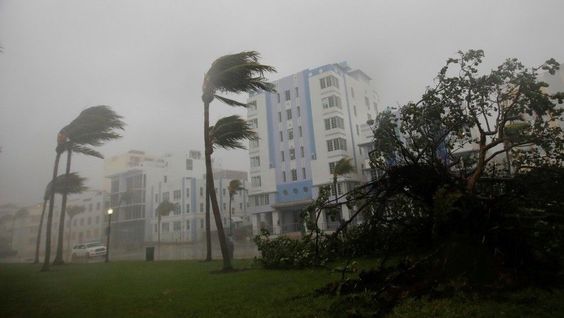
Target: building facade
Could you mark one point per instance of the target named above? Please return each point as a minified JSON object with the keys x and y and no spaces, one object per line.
{"x":138,"y":183}
{"x":314,"y":119}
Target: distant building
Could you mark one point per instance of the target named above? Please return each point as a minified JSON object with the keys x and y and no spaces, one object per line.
{"x":137,"y":183}
{"x":317,"y":117}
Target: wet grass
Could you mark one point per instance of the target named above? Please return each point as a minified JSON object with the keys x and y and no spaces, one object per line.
{"x":160,"y":289}
{"x":196,"y":289}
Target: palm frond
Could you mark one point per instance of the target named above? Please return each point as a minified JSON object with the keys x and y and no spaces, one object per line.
{"x":237,"y":73}
{"x":229,"y":132}
{"x":86,"y":151}
{"x":94,"y":126}
{"x":165,"y":207}
{"x":234,"y":186}
{"x":73,"y":210}
{"x":73,"y":183}
{"x":230,"y":102}
{"x":343,"y":166}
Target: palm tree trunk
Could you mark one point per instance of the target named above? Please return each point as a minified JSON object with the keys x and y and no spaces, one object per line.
{"x":59,"y":256}
{"x":47,"y":257}
{"x":159,"y":237}
{"x":211,"y":190}
{"x":208,"y":228}
{"x":38,"y":241}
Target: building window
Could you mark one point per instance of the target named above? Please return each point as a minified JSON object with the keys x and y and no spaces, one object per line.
{"x":304,"y":173}
{"x":97,"y":219}
{"x":255,"y":162}
{"x":329,"y":81}
{"x":331,"y":167}
{"x":187,"y":208}
{"x":292,"y":154}
{"x":176,"y":195}
{"x":354,"y":110}
{"x":165,"y":227}
{"x":336,"y":144}
{"x":287,"y":95}
{"x":282,"y":156}
{"x":177,"y":209}
{"x":357,"y":131}
{"x":279,"y":117}
{"x":290,"y":134}
{"x":300,"y":130}
{"x":302,"y":151}
{"x":299,"y":111}
{"x":89,"y":221}
{"x":255,"y":181}
{"x":288,"y":114}
{"x":253,"y":123}
{"x":352,"y":92}
{"x":294,"y":174}
{"x":297,"y":90}
{"x":201,"y":191}
{"x":334,"y":122}
{"x":187,"y":192}
{"x":278,"y":97}
{"x":224,"y":206}
{"x":281,"y":137}
{"x":165,"y":179}
{"x":166,"y":196}
{"x":201,"y":224}
{"x":283,"y":176}
{"x":188,"y":225}
{"x":241,"y":206}
{"x":176,"y":226}
{"x":331,"y":101}
{"x":189,"y":164}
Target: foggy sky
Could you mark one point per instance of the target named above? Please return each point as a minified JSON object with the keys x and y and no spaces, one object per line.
{"x":146,"y":59}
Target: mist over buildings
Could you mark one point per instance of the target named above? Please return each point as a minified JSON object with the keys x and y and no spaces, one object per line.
{"x":146,"y":59}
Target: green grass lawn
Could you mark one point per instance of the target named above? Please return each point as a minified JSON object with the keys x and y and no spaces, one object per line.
{"x":194,"y":289}
{"x":160,"y":289}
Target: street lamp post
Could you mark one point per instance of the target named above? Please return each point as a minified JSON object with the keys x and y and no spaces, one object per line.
{"x":110,"y":212}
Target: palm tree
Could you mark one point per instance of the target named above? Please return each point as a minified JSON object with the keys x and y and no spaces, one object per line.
{"x":342,"y":167}
{"x":71,"y":183}
{"x":234,"y":187}
{"x":93,"y":127}
{"x":234,"y":73}
{"x":163,"y":209}
{"x":227,"y":133}
{"x":74,"y":183}
{"x":72,"y":211}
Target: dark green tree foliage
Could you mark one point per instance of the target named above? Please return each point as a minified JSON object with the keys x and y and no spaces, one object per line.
{"x":469,"y":108}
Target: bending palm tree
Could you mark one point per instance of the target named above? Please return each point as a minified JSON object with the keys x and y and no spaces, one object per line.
{"x":235,"y":73}
{"x":163,"y":209}
{"x":93,"y":127}
{"x":233,"y":188}
{"x":74,"y":184}
{"x":227,"y":133}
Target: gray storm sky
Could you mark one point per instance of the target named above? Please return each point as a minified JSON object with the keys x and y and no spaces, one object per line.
{"x":146,"y":59}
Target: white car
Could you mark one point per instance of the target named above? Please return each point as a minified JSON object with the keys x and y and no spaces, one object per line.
{"x":88,"y":250}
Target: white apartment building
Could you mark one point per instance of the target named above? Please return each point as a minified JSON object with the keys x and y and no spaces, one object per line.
{"x":315,"y":118}
{"x":139,"y":182}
